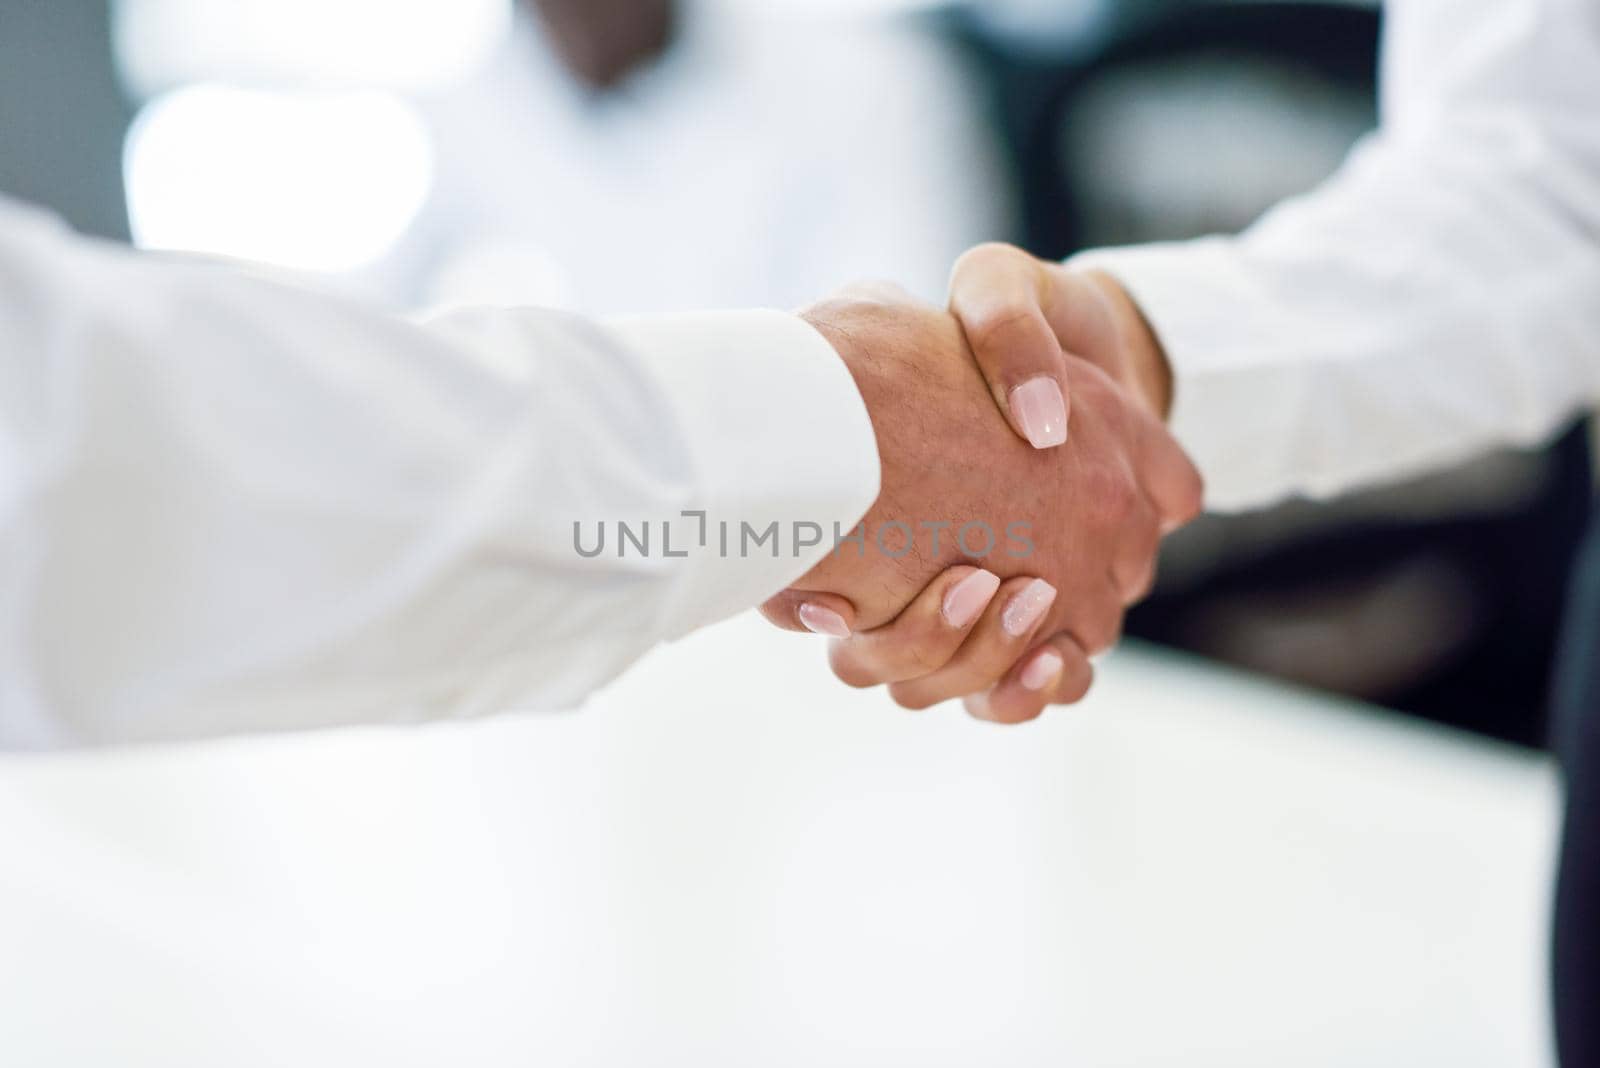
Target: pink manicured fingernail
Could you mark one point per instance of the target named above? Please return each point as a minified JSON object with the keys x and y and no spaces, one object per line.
{"x":1028,"y":607}
{"x":1041,"y":411}
{"x":967,"y":599}
{"x":1044,"y":670}
{"x":820,"y":620}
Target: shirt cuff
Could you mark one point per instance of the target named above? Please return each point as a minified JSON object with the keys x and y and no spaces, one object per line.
{"x":782,"y":446}
{"x":1237,"y":395}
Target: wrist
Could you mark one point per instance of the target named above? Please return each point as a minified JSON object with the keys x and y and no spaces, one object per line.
{"x":839,"y":341}
{"x":830,"y":321}
{"x":1149,"y":372}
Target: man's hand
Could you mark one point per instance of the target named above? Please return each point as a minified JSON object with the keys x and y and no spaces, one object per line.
{"x":601,"y":41}
{"x":1074,"y":531}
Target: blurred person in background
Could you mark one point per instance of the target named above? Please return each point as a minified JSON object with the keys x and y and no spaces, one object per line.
{"x":603,"y":41}
{"x":788,"y":152}
{"x":1438,"y":297}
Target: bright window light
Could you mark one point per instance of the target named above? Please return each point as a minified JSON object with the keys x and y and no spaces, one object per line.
{"x":401,"y":45}
{"x":320,"y":182}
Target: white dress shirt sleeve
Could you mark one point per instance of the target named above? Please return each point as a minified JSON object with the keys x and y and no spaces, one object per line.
{"x":1440,"y":295}
{"x":228,"y":504}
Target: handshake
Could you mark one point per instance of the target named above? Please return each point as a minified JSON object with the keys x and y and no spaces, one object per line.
{"x":1027,"y":480}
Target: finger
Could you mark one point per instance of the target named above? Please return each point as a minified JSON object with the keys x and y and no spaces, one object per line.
{"x":1133,"y":568}
{"x":1007,"y":626}
{"x":1096,"y":616}
{"x":996,"y":293}
{"x":1057,"y":673}
{"x":806,"y":611}
{"x":1082,"y":319}
{"x":1169,"y":477}
{"x":1142,"y":361}
{"x":924,"y":637}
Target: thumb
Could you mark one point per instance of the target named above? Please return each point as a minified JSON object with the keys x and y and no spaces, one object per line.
{"x":827,"y":614}
{"x":996,"y":295}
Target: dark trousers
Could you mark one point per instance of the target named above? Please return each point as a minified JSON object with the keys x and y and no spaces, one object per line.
{"x":1576,"y":956}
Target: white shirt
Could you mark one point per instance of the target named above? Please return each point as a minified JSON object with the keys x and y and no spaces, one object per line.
{"x":1438,"y":296}
{"x":228,"y":504}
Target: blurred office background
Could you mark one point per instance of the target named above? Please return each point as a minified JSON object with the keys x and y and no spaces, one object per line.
{"x":644,"y":155}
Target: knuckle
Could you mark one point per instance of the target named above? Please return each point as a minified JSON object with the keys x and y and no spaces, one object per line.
{"x":1136,"y":579}
{"x":1099,"y":392}
{"x":912,"y":699}
{"x":1185,"y":491}
{"x":850,"y":670}
{"x":924,"y":657}
{"x":1109,"y":635}
{"x":1074,"y":686}
{"x":1112,"y":494}
{"x":1146,"y":582}
{"x":1142,"y":533}
{"x":1124,"y":498}
{"x":988,"y":254}
{"x":915,"y":654}
{"x":986,"y":672}
{"x":1101,"y":631}
{"x":983,"y":662}
{"x":1015,"y":714}
{"x":989,"y":328}
{"x":856,"y":678}
{"x":1194,"y":493}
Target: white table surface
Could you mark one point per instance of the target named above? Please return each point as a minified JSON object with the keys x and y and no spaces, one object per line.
{"x":729,"y":860}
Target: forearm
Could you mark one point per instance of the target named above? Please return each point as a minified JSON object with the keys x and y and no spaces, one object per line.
{"x":243,"y":506}
{"x":1325,"y":367}
{"x":1433,"y":300}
